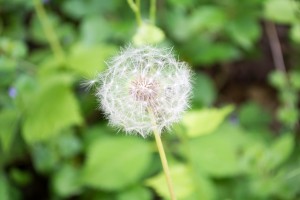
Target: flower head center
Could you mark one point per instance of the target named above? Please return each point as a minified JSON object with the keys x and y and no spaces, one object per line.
{"x":144,"y":90}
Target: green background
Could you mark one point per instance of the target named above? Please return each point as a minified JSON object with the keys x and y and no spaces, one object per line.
{"x":239,"y":140}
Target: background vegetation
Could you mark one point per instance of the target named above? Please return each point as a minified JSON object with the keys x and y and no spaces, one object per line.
{"x":239,"y":140}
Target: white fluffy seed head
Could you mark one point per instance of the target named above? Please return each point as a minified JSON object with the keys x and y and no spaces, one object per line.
{"x":142,"y":79}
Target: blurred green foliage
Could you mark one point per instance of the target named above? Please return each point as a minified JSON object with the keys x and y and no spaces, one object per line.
{"x":55,"y":145}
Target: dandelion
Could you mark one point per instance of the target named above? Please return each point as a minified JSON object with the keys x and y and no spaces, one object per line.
{"x":143,"y":79}
{"x":145,"y":90}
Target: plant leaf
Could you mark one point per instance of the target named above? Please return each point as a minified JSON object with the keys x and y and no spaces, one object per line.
{"x":204,"y":121}
{"x":115,"y":163}
{"x":4,"y":188}
{"x":8,"y":122}
{"x":218,"y":154}
{"x":184,"y":184}
{"x":135,"y":193}
{"x":280,"y":11}
{"x":66,"y":181}
{"x":89,"y":60}
{"x":280,"y":150}
{"x":53,"y":108}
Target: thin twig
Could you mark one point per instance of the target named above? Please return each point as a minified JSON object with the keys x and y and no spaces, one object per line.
{"x":275,"y":47}
{"x":162,"y":156}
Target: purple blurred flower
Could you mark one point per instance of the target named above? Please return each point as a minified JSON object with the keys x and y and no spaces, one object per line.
{"x":12,"y":92}
{"x":234,"y":119}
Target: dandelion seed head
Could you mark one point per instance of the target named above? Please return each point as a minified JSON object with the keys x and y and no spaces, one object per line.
{"x":142,"y":79}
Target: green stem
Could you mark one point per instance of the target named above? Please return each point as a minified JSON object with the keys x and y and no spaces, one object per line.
{"x":136,"y":8}
{"x":152,"y":11}
{"x":162,"y":155}
{"x":49,"y":31}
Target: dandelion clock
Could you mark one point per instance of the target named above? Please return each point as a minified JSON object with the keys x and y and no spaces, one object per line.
{"x":144,"y":90}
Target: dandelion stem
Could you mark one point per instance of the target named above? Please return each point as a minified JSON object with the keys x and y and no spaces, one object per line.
{"x":162,"y":155}
{"x":164,"y":163}
{"x":152,"y":11}
{"x":49,"y":31}
{"x":136,"y":8}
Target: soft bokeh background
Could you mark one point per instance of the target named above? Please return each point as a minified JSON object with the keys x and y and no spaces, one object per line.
{"x":239,"y":140}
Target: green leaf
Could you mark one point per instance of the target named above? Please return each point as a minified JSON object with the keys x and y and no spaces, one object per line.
{"x":4,"y":188}
{"x":281,"y":11}
{"x":25,"y":86}
{"x":71,"y":141}
{"x":288,"y":115}
{"x":74,"y":8}
{"x":277,"y":79}
{"x":177,"y":20}
{"x":204,"y":51}
{"x":184,"y":4}
{"x":7,"y":190}
{"x":253,"y":116}
{"x":295,"y":33}
{"x":279,"y":183}
{"x":204,"y":92}
{"x":89,"y":60}
{"x":50,"y":66}
{"x":8,"y":127}
{"x":13,"y":48}
{"x":186,"y":186}
{"x":148,"y":34}
{"x":98,"y":132}
{"x":218,"y":52}
{"x":8,"y":65}
{"x":207,"y":18}
{"x":244,"y":32}
{"x":219,"y":154}
{"x":280,"y":150}
{"x":135,"y":193}
{"x":45,"y":158}
{"x":53,"y":108}
{"x":66,"y":181}
{"x":262,"y":158}
{"x":78,"y":9}
{"x":204,"y":121}
{"x":115,"y":163}
{"x":20,"y":177}
{"x":286,"y":179}
{"x":63,"y":30}
{"x":295,"y":79}
{"x":94,"y":29}
{"x":289,"y":97}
